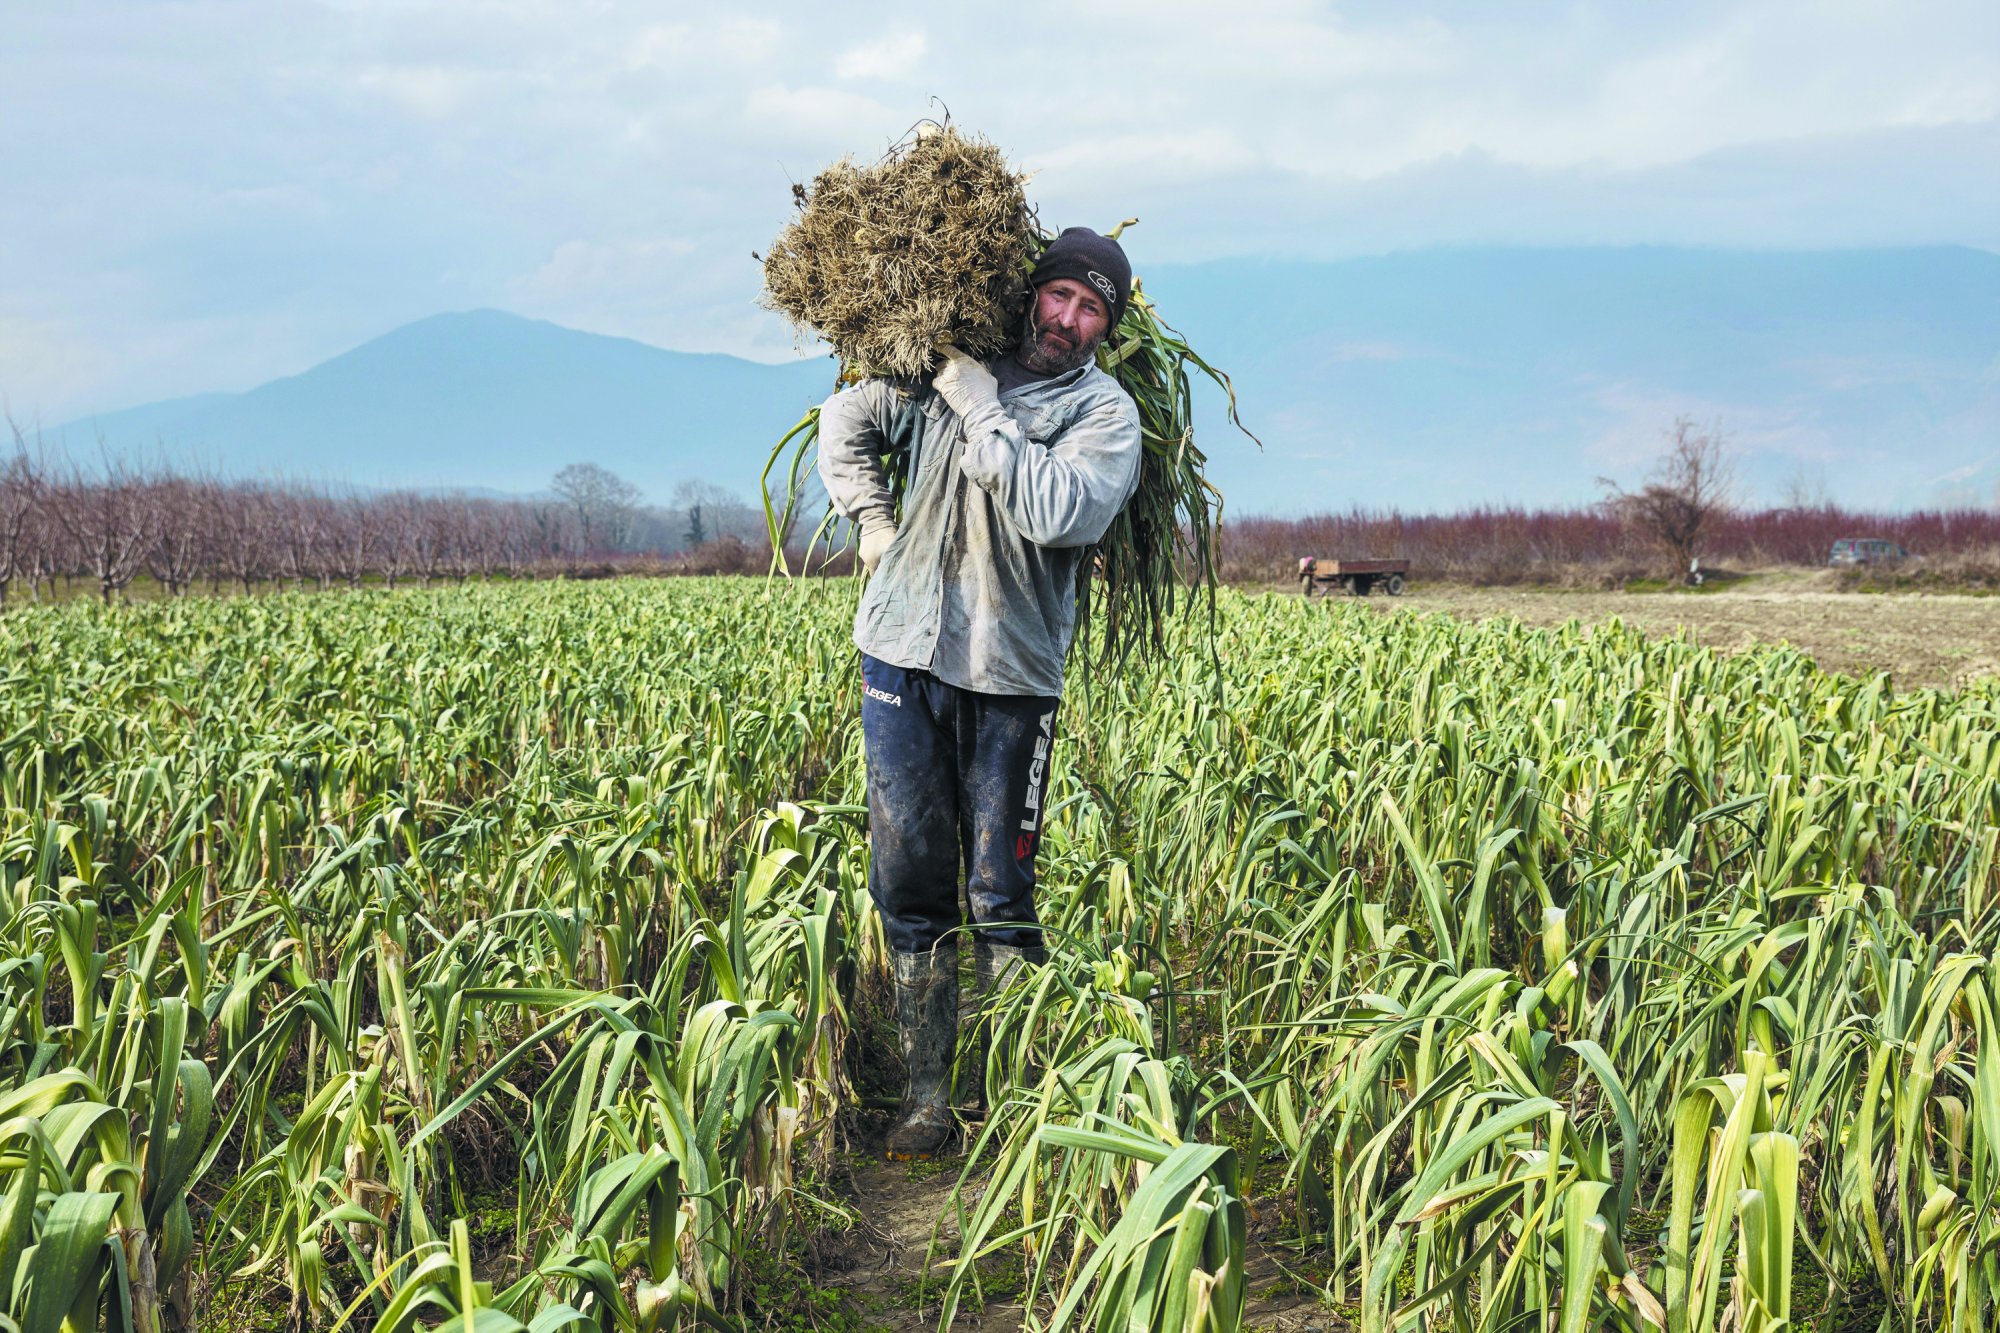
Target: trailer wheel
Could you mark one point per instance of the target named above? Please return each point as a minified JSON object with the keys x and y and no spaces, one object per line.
{"x":1395,"y":585}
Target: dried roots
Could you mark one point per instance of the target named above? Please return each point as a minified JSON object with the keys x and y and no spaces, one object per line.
{"x":931,"y":244}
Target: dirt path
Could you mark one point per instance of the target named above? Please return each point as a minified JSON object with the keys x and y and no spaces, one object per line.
{"x":1920,"y":639}
{"x":880,"y":1264}
{"x":886,"y":1264}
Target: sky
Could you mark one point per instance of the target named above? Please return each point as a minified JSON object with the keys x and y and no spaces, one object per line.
{"x":205,"y":194}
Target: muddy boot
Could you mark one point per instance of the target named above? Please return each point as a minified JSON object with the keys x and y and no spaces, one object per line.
{"x":927,"y":1030}
{"x":994,"y":967}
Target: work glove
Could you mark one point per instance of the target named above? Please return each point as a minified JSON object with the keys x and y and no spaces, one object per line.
{"x":967,"y":387}
{"x":875,"y":539}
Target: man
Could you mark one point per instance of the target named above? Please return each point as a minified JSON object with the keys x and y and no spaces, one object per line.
{"x":1014,"y":469}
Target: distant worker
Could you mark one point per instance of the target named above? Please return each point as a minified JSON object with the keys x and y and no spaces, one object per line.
{"x":1015,"y":467}
{"x":1694,"y":572}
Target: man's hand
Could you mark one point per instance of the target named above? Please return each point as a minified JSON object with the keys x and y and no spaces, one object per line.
{"x":874,"y":541}
{"x":967,"y":387}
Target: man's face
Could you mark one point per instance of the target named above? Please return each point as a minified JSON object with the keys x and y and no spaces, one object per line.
{"x":1065,"y":324}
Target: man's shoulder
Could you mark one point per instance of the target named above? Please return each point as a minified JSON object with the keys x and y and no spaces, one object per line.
{"x":1100,"y":393}
{"x":883,"y":402}
{"x":874,"y":389}
{"x":1094,"y":391}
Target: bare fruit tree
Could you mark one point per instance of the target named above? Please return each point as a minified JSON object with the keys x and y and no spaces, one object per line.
{"x":350,"y":546}
{"x":1690,"y":488}
{"x":123,"y":517}
{"x":111,"y":518}
{"x":20,"y":500}
{"x":301,"y":516}
{"x":605,"y":504}
{"x":707,"y":512}
{"x":243,"y":535}
{"x":182,"y":509}
{"x":398,"y":534}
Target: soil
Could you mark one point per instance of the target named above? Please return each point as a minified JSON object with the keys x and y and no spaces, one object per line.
{"x":881,"y":1262}
{"x":1942,"y":640}
{"x":886,"y":1263}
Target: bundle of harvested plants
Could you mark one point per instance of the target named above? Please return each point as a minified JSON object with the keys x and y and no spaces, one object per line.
{"x":930,"y":245}
{"x":934,"y":244}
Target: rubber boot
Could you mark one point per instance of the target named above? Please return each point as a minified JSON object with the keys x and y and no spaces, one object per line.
{"x":927,"y":1030}
{"x":994,"y":967}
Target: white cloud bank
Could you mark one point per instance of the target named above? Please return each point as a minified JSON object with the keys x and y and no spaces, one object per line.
{"x":306,"y":174}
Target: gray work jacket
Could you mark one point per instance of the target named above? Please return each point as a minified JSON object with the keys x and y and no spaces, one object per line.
{"x":979,"y":587}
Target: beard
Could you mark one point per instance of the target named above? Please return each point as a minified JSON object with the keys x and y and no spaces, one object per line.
{"x":1048,"y":351}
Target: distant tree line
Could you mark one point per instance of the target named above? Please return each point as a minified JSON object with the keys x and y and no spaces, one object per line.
{"x":1684,"y":511}
{"x":120,"y":519}
{"x":1595,"y":545}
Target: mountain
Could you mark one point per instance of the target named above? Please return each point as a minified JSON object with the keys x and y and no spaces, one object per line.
{"x":1429,"y":379}
{"x":1444,"y":378}
{"x":489,"y":400}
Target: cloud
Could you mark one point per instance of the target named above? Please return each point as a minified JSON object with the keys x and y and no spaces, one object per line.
{"x":41,"y":360}
{"x":428,"y":90}
{"x":331,"y":168}
{"x":582,"y":270}
{"x":815,"y":111}
{"x":1763,"y":442}
{"x":892,"y":57}
{"x":1180,"y":155}
{"x":681,"y":47}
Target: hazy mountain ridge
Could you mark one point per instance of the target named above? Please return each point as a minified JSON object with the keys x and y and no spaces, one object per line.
{"x":489,"y":400}
{"x":1425,"y":380}
{"x":1439,"y":379}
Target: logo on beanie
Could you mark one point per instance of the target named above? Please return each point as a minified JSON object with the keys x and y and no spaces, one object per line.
{"x":1105,"y":285}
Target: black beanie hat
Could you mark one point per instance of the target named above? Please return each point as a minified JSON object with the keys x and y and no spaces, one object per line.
{"x":1096,"y":261}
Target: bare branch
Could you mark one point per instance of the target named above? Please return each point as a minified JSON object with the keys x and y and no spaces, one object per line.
{"x":1691,"y":486}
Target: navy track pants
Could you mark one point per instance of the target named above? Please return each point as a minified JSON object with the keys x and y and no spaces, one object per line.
{"x":956,"y":782}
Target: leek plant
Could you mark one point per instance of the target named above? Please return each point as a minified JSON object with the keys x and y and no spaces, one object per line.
{"x":1492,"y":975}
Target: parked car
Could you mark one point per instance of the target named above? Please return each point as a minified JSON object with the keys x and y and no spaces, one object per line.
{"x":1866,"y":551}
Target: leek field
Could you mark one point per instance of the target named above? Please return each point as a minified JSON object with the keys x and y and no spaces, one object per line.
{"x":1500,"y":978}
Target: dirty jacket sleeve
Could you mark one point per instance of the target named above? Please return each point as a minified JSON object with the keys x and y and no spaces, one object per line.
{"x":1064,"y":494}
{"x":853,"y":429}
